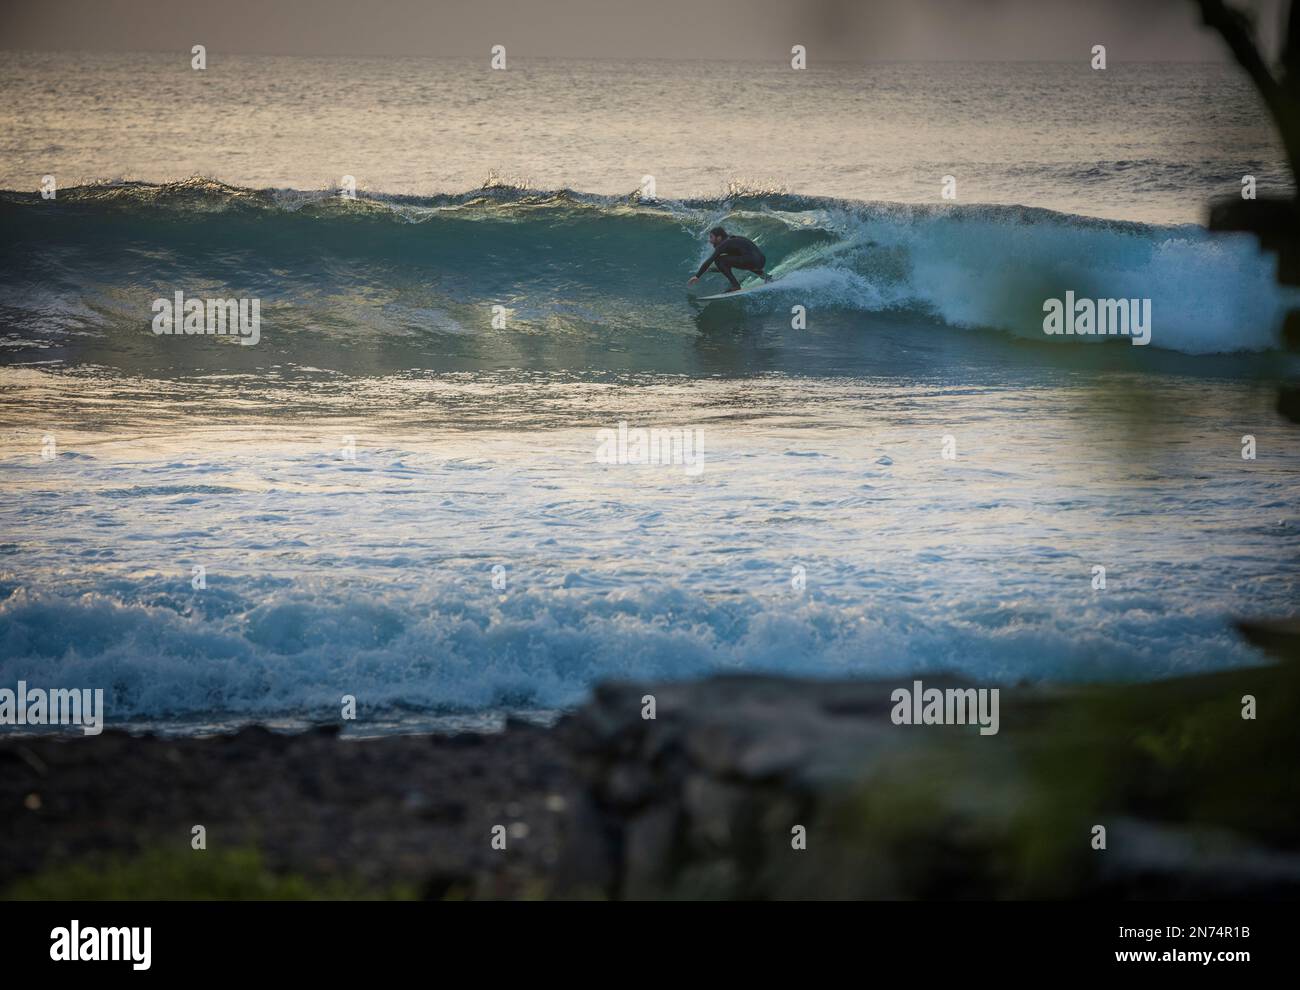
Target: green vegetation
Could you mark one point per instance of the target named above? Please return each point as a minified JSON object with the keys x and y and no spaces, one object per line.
{"x":172,"y":875}
{"x":1012,"y":815}
{"x":1176,"y":753}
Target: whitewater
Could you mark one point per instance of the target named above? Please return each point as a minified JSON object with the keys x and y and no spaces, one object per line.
{"x":448,"y":545}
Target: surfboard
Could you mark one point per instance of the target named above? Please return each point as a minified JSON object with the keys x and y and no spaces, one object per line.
{"x":744,"y":291}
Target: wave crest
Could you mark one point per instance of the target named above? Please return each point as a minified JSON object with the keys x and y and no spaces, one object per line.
{"x":567,"y":259}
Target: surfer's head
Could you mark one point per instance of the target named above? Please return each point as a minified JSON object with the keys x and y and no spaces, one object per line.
{"x":717,"y":235}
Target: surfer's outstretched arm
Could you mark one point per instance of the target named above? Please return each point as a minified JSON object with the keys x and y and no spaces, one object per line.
{"x":712,"y":258}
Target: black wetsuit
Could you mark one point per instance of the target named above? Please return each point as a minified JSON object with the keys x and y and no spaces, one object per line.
{"x":735,"y":252}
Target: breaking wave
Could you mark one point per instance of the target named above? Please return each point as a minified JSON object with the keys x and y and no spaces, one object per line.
{"x":425,"y":273}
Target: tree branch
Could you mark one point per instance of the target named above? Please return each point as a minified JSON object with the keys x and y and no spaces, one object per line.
{"x":1279,"y":96}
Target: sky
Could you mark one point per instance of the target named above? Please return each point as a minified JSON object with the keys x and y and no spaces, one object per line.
{"x":995,"y":30}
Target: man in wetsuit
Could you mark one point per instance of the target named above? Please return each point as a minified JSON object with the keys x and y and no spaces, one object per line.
{"x":732,"y":252}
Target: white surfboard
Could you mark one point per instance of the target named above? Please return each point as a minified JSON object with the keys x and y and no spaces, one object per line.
{"x":744,"y":291}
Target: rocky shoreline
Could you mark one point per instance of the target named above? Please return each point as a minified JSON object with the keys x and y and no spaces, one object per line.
{"x":409,"y":810}
{"x":739,"y":787}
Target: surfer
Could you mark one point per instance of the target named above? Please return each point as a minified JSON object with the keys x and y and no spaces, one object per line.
{"x":732,"y":252}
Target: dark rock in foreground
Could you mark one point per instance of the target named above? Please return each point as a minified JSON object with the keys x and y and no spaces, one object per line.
{"x":706,"y":799}
{"x":740,"y":787}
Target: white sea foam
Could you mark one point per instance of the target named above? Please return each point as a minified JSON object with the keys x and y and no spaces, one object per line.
{"x":375,"y":577}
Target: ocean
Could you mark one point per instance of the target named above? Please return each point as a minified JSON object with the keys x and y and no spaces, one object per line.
{"x":399,"y":494}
